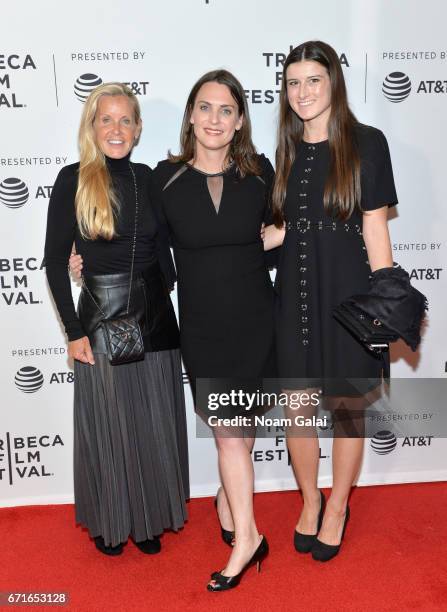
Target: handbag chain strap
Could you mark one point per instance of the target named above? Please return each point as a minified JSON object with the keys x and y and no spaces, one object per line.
{"x":134,"y":244}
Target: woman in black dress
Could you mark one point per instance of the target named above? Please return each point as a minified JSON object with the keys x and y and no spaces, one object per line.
{"x":214,"y":197}
{"x":130,"y":445}
{"x":334,"y":184}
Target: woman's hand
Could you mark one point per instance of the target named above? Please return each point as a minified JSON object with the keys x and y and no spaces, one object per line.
{"x":273,"y":237}
{"x":377,"y":238}
{"x":263,"y":232}
{"x":75,"y":263}
{"x":81,"y":350}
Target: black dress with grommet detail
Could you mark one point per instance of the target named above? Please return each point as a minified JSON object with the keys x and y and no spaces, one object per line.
{"x":324,"y":261}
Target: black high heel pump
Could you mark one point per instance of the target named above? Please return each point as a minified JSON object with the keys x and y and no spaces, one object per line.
{"x":326,"y":552}
{"x":225,"y":583}
{"x":227,"y":536}
{"x":304,"y":542}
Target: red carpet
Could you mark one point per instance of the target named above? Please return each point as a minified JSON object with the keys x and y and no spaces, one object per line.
{"x":393,"y":558}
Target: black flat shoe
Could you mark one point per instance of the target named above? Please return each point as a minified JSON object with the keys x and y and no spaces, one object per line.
{"x":107,"y":550}
{"x":227,"y":536}
{"x":225,"y":583}
{"x":149,"y":547}
{"x":326,"y":552}
{"x":304,"y":542}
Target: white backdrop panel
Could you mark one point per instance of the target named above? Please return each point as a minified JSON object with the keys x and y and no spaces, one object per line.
{"x":161,"y":49}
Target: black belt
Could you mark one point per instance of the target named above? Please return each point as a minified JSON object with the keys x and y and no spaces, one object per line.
{"x":149,"y":303}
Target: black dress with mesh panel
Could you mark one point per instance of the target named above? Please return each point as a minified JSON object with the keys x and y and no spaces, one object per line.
{"x":225,"y":295}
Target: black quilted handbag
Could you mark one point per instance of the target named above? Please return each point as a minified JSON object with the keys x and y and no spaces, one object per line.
{"x":123,"y":340}
{"x":123,"y":336}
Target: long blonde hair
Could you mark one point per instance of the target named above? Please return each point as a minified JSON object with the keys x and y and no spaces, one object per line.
{"x":96,"y":203}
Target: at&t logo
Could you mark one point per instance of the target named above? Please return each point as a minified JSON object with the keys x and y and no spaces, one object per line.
{"x":29,"y":379}
{"x":426,"y":273}
{"x":85,"y":84}
{"x":396,"y":87}
{"x":139,"y":88}
{"x":383,"y":442}
{"x":432,"y":87}
{"x":13,"y":193}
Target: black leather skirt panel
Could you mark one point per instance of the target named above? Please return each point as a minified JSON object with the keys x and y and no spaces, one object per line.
{"x":149,"y":303}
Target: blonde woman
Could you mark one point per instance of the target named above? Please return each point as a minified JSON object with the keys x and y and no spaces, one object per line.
{"x":130,"y":445}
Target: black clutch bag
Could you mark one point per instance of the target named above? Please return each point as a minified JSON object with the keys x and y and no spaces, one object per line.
{"x":391,"y":309}
{"x":368,"y":330}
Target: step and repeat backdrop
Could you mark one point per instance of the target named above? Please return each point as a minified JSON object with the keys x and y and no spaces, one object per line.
{"x":52,"y":54}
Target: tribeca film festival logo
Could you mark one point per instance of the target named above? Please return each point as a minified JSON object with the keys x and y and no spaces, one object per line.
{"x":21,"y":456}
{"x":86,"y":83}
{"x":15,"y":280}
{"x":279,"y":453}
{"x":384,"y":442}
{"x":30,"y":379}
{"x":13,"y":62}
{"x":275,"y":60}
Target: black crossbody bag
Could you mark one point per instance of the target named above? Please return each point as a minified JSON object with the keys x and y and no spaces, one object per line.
{"x":123,"y":336}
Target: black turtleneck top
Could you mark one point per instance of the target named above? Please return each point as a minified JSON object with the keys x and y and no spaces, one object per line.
{"x":99,"y":256}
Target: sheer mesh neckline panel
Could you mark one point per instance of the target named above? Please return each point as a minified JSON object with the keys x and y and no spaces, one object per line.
{"x":215,"y":188}
{"x":215,"y":183}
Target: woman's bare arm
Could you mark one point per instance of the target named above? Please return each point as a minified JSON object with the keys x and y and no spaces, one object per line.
{"x":377,"y":238}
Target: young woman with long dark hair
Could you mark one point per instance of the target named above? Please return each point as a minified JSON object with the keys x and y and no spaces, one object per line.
{"x":334,"y":184}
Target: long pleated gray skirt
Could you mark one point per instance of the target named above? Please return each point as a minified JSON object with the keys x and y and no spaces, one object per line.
{"x":131,"y":474}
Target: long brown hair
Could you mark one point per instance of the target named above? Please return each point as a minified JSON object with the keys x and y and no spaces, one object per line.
{"x":95,"y":201}
{"x":242,"y":149}
{"x":342,"y":191}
